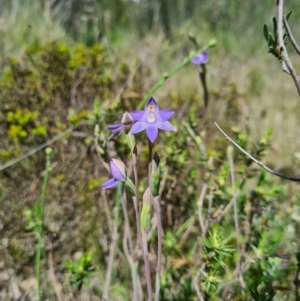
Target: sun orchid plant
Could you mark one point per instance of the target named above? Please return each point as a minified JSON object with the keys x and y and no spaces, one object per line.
{"x":151,"y":119}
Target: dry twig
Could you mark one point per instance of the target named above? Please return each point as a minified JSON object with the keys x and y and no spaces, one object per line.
{"x":285,"y":60}
{"x":273,"y":172}
{"x":290,"y":35}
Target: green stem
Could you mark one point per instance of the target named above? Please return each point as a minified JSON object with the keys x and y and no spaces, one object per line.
{"x":41,"y":221}
{"x":167,"y":75}
{"x":113,"y":244}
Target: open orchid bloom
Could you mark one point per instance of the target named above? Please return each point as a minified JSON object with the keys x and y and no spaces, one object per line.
{"x":200,"y":59}
{"x":118,"y":172}
{"x":151,"y":119}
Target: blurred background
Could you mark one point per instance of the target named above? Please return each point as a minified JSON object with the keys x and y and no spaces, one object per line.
{"x":159,"y":31}
{"x":80,"y":63}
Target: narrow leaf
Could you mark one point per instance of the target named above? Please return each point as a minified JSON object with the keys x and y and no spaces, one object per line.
{"x":275,"y":27}
{"x":266,"y":33}
{"x":289,"y":14}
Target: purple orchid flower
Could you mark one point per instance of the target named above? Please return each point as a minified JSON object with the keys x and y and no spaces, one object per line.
{"x":117,"y":169}
{"x":125,"y":125}
{"x":200,"y":59}
{"x":151,"y":120}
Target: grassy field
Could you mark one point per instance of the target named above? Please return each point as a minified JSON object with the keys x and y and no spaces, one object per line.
{"x":230,"y":229}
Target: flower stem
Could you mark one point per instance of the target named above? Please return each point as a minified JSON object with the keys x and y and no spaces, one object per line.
{"x":155,"y":203}
{"x":167,"y":75}
{"x":113,"y":244}
{"x":135,"y":199}
{"x":127,"y":246}
{"x":41,"y":220}
{"x":147,"y":264}
{"x":145,"y":232}
{"x":159,"y":244}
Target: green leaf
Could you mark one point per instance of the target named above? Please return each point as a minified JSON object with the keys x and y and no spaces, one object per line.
{"x":288,"y":15}
{"x":266,"y":32}
{"x":275,"y":28}
{"x":271,"y":40}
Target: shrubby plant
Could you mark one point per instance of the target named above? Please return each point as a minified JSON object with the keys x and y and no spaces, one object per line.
{"x":192,"y":216}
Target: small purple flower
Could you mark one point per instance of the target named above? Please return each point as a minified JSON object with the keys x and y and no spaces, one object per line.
{"x":200,"y":59}
{"x":151,"y":120}
{"x":125,"y":125}
{"x":117,"y":169}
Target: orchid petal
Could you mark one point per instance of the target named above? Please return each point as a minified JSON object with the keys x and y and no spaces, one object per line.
{"x":116,"y":127}
{"x":127,"y":119}
{"x":164,"y":115}
{"x":165,"y":126}
{"x":117,"y":171}
{"x":152,"y":132}
{"x":152,"y":102}
{"x":201,"y":58}
{"x":138,"y":115}
{"x":110,"y":183}
{"x":137,"y":127}
{"x":197,"y":60}
{"x":204,"y":57}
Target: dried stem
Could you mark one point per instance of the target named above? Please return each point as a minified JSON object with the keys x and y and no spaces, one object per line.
{"x":127,"y":246}
{"x":38,"y":148}
{"x":147,"y":264}
{"x":145,"y":234}
{"x":204,"y":228}
{"x":156,"y":204}
{"x":290,"y":35}
{"x":142,"y":238}
{"x":135,"y":198}
{"x":285,"y":60}
{"x":159,"y":244}
{"x":236,"y":220}
{"x":196,"y":281}
{"x":294,"y":179}
{"x":200,"y":207}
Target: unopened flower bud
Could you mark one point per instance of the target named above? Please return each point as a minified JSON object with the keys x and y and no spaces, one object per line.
{"x":146,"y":211}
{"x":127,"y":121}
{"x":118,"y":172}
{"x":130,"y":141}
{"x":96,"y":130}
{"x":48,"y":151}
{"x":212,"y":43}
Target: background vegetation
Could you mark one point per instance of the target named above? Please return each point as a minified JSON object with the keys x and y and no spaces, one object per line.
{"x":73,"y":64}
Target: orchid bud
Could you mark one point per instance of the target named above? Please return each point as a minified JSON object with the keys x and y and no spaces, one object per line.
{"x":118,"y":172}
{"x":146,"y":211}
{"x":127,"y":121}
{"x":130,"y":141}
{"x":125,"y":126}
